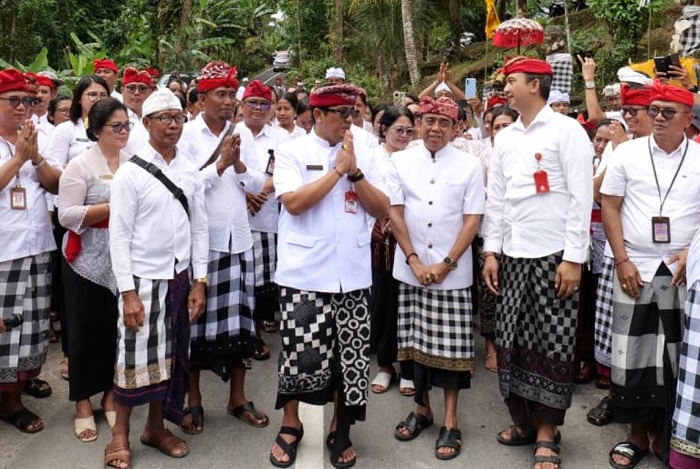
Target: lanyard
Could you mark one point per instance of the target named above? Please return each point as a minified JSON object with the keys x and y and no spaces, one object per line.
{"x":12,"y":155}
{"x":656,"y":178}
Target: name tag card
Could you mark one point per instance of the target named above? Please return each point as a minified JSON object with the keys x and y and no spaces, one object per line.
{"x":661,"y":229}
{"x":351,"y":201}
{"x":18,"y":198}
{"x":541,"y":182}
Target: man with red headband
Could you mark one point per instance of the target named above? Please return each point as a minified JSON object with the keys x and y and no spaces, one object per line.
{"x":223,"y":339}
{"x":154,"y":73}
{"x":136,"y":87}
{"x":437,"y":199}
{"x":536,"y":237}
{"x":635,"y":102}
{"x":47,"y":90}
{"x":26,"y":240}
{"x":328,"y":189}
{"x":651,"y":208}
{"x":107,"y":69}
{"x":259,"y":139}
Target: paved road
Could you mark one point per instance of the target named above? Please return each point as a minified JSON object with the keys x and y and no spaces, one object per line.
{"x":267,"y":76}
{"x":228,"y":442}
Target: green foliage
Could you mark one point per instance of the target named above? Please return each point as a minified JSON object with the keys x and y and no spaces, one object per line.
{"x":625,"y":21}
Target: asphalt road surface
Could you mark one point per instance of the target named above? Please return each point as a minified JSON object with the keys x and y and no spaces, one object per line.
{"x":230,"y":443}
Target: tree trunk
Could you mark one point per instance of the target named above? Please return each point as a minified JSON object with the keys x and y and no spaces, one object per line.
{"x":456,"y":23}
{"x":337,"y":33}
{"x":185,"y":20}
{"x":409,"y":41}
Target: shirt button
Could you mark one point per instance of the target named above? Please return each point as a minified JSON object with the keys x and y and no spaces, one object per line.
{"x":430,"y":202}
{"x":430,"y":246}
{"x":430,"y":225}
{"x":432,"y":181}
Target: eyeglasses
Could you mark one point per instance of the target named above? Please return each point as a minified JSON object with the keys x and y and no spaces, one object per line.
{"x":119,"y":126}
{"x":264,"y":105}
{"x":167,"y":119}
{"x":132,"y":89}
{"x":403,"y":131}
{"x":632,"y":111}
{"x":95,"y":96}
{"x":345,"y":112}
{"x":63,"y":110}
{"x":667,"y":113}
{"x":442,"y":123}
{"x":14,"y":101}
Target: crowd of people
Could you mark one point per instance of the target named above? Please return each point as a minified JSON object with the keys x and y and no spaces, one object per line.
{"x":167,"y":229}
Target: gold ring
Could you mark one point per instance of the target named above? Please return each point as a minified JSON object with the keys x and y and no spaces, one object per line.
{"x":624,"y":285}
{"x":344,"y":147}
{"x":428,"y":278}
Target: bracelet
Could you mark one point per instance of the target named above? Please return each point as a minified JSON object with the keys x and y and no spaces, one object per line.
{"x":617,"y":263}
{"x":40,"y":163}
{"x":358,"y":176}
{"x":409,"y":257}
{"x":337,"y":171}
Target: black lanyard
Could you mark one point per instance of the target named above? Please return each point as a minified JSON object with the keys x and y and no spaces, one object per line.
{"x":656,"y":178}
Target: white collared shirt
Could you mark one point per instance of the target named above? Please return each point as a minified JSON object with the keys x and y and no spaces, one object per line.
{"x":436,"y":194}
{"x":45,"y":129}
{"x":67,"y":141}
{"x":522,"y":223}
{"x":24,"y":232}
{"x":324,"y":249}
{"x":149,"y":232}
{"x":254,"y":153}
{"x":630,"y":175}
{"x":368,"y":139}
{"x":138,"y":137}
{"x":229,"y":230}
{"x":117,"y":95}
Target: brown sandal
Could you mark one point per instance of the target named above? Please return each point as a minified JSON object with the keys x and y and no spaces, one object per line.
{"x":165,"y":442}
{"x":118,"y":451}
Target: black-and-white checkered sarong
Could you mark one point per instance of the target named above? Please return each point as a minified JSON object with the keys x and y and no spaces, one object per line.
{"x":323,"y":334}
{"x":647,"y":334}
{"x":227,"y":325}
{"x":602,"y":334}
{"x":24,"y":291}
{"x":690,"y":38}
{"x":535,"y":332}
{"x":686,"y":417}
{"x":144,"y":357}
{"x":265,"y":253}
{"x":563,"y":68}
{"x":435,"y":327}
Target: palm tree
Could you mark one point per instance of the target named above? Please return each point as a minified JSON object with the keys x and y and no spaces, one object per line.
{"x":409,"y":41}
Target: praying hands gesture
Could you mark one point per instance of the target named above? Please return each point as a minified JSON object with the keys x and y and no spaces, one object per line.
{"x":26,"y":146}
{"x":231,"y":155}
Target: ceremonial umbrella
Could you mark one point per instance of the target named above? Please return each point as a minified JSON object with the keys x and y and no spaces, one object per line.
{"x":518,"y":32}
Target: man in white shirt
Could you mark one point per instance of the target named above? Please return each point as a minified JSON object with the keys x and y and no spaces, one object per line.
{"x":26,"y":240}
{"x":136,"y":86}
{"x":47,"y":91}
{"x":437,"y":199}
{"x":156,"y":235}
{"x":651,"y":208}
{"x":223,"y":339}
{"x":537,"y":218}
{"x":334,"y":76}
{"x":107,"y":69}
{"x":324,"y":272}
{"x":258,"y":143}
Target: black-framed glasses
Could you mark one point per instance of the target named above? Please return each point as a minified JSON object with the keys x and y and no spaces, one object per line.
{"x":167,"y":119}
{"x":345,"y":112}
{"x":632,"y":111}
{"x":404,"y":131}
{"x":63,"y":110}
{"x":132,"y":89}
{"x":14,"y":101}
{"x":264,"y":105}
{"x":667,"y":113}
{"x":119,"y":126}
{"x":95,"y":96}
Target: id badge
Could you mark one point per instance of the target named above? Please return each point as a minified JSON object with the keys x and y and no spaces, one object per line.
{"x":270,"y":168}
{"x":660,"y":229}
{"x":351,"y":201}
{"x":18,"y":198}
{"x":541,"y":182}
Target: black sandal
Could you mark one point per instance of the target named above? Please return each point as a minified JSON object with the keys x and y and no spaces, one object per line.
{"x":270,"y":326}
{"x":546,"y":459}
{"x":630,"y":451}
{"x":290,"y":449}
{"x":415,"y":424}
{"x":260,"y":353}
{"x":335,"y":453}
{"x":451,"y":438}
{"x":38,"y":388}
{"x":602,"y":414}
{"x":22,"y":419}
{"x":250,"y":408}
{"x":518,"y":439}
{"x":197,"y":413}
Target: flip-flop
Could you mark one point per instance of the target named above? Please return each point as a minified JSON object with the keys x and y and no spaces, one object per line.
{"x":383,"y":379}
{"x":197,"y":413}
{"x":630,"y":451}
{"x":87,"y":423}
{"x":415,"y":424}
{"x":250,"y":407}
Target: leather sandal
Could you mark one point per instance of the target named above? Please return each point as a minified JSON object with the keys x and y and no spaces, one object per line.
{"x":602,"y":414}
{"x":165,"y":442}
{"x":249,"y":407}
{"x":415,"y":423}
{"x":542,"y":459}
{"x":449,"y":438}
{"x":521,"y":439}
{"x":290,"y":449}
{"x":118,"y":451}
{"x":197,"y":414}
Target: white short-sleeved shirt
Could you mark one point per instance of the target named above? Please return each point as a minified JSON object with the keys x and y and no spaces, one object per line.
{"x":436,"y":194}
{"x":630,"y":175}
{"x":138,"y":137}
{"x":324,"y":249}
{"x":67,"y":141}
{"x":523,"y":223}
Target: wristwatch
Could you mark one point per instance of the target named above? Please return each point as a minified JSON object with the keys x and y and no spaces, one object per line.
{"x":358,"y":176}
{"x":202,"y":280}
{"x":450,"y":263}
{"x":589,"y":85}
